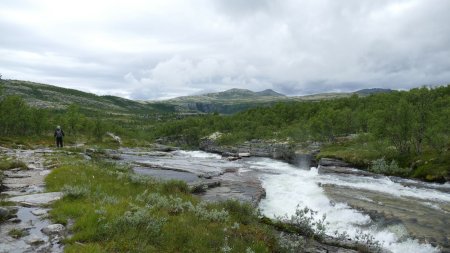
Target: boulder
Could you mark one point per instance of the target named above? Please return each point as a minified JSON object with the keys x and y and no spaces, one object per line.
{"x":54,"y":229}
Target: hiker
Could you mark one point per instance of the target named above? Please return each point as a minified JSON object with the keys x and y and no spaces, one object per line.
{"x":59,"y":133}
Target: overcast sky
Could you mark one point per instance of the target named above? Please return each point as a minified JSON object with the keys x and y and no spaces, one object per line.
{"x":162,"y":49}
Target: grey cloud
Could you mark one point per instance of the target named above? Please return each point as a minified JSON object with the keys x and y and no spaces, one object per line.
{"x":173,"y":48}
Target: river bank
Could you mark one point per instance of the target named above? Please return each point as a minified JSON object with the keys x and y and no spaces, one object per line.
{"x":25,"y":224}
{"x":348,"y":151}
{"x":337,"y":191}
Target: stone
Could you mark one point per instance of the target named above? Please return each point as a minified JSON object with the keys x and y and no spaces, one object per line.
{"x":16,"y":175}
{"x":333,"y":162}
{"x":15,"y":220}
{"x":15,"y":186}
{"x":39,"y":212}
{"x":4,"y":213}
{"x":244,"y":154}
{"x":37,"y":199}
{"x":344,"y":170}
{"x":34,"y":240}
{"x":164,"y":148}
{"x":54,"y":229}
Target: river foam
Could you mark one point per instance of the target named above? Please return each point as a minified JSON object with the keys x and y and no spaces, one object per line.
{"x":292,"y":186}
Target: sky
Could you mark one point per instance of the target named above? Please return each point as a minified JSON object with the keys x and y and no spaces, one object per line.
{"x":162,"y":49}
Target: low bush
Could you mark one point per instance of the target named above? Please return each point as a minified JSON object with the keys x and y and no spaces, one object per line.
{"x":380,"y":166}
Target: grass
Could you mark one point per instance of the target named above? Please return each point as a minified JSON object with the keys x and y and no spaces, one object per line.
{"x":17,"y":233}
{"x":361,"y":152}
{"x":11,"y":164}
{"x":117,"y":211}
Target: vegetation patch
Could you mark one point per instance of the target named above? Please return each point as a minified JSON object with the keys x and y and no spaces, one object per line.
{"x":17,"y":233}
{"x":117,"y":211}
{"x":7,"y":164}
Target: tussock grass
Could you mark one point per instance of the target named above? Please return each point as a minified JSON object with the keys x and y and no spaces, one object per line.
{"x":117,"y":211}
{"x":12,"y":164}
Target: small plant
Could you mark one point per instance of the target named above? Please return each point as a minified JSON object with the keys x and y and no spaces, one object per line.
{"x":291,"y":242}
{"x":368,"y":241}
{"x":17,"y":233}
{"x":210,"y":215}
{"x":140,"y":179}
{"x":141,"y":219}
{"x":380,"y":166}
{"x":305,"y":220}
{"x":12,"y":164}
{"x":74,"y":192}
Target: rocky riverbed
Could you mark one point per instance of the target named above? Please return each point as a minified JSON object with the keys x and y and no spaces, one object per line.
{"x":25,"y":227}
{"x":355,"y":201}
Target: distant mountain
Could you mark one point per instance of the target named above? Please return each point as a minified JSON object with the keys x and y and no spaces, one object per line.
{"x":53,"y":97}
{"x":227,"y":102}
{"x":371,"y":91}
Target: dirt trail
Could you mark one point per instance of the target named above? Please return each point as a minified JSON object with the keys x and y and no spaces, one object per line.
{"x":28,"y":216}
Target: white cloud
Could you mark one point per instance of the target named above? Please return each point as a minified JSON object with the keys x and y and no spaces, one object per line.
{"x":154,"y":49}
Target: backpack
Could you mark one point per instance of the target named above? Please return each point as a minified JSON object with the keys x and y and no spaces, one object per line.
{"x":59,"y":133}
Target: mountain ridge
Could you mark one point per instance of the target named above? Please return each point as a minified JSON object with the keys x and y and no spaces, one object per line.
{"x":226,"y":102}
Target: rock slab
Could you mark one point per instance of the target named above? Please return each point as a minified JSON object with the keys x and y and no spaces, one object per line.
{"x":37,"y":199}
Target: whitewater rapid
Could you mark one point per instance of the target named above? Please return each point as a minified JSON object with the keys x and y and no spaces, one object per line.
{"x":288,"y":186}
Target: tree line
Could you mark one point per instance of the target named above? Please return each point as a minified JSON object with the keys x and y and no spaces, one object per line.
{"x":408,"y":120}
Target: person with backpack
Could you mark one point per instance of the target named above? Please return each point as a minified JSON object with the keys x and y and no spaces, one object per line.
{"x":59,"y":134}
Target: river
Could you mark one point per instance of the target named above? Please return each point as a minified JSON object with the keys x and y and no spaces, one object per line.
{"x":403,"y":215}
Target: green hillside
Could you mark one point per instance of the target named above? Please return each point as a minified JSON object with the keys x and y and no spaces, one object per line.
{"x":52,"y":97}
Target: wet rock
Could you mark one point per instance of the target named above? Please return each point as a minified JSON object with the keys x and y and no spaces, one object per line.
{"x":15,"y":175}
{"x":333,"y":162}
{"x":335,"y":166}
{"x":39,"y":212}
{"x":202,"y":186}
{"x":34,"y":240}
{"x":54,"y":229}
{"x":344,"y":170}
{"x":14,"y":220}
{"x":37,"y":199}
{"x":232,"y":158}
{"x":259,"y":148}
{"x":4,"y":213}
{"x":12,"y":209}
{"x":15,"y":186}
{"x":163,"y":148}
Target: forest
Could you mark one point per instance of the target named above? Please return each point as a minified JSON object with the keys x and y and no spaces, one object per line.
{"x":411,"y":127}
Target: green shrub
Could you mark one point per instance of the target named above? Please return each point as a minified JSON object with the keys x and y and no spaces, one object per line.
{"x":305,"y":221}
{"x":140,"y":219}
{"x":74,"y":192}
{"x":380,"y":166}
